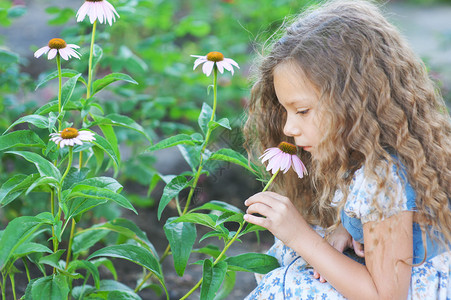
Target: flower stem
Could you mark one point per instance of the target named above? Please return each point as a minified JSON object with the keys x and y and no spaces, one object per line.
{"x":207,"y":137}
{"x":270,"y":181}
{"x":69,"y":164}
{"x":69,"y":247}
{"x":89,"y":86}
{"x":58,"y":65}
{"x":216,"y":260}
{"x":91,"y":54}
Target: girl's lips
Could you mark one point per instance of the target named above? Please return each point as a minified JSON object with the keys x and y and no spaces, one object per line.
{"x":306,"y":148}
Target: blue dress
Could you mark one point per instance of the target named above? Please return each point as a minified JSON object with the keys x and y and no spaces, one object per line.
{"x":294,"y":278}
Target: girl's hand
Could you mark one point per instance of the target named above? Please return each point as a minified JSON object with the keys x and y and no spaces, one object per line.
{"x":278,"y":215}
{"x":341,"y":240}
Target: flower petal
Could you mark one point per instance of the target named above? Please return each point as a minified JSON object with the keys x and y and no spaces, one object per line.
{"x":208,"y":67}
{"x":82,"y":11}
{"x":63,"y":53}
{"x":285,"y":162}
{"x":231,"y":61}
{"x":41,"y":51}
{"x":199,"y":61}
{"x":269,"y":153}
{"x":298,"y":166}
{"x":220,"y":67}
{"x":52,"y":53}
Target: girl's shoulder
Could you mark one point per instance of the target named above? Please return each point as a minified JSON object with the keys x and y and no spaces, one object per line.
{"x":368,"y":202}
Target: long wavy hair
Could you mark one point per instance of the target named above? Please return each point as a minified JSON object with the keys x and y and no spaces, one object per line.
{"x":379,"y":103}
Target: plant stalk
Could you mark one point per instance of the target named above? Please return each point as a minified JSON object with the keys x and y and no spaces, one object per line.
{"x":69,"y":247}
{"x":216,"y":260}
{"x":58,"y":65}
{"x":270,"y":181}
{"x":207,"y":137}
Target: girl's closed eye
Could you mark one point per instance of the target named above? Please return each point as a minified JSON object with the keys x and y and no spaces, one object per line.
{"x":303,"y":112}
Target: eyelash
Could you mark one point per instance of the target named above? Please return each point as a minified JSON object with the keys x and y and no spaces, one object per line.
{"x":303,"y":112}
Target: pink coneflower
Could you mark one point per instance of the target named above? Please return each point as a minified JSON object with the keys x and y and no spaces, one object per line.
{"x":71,"y":136}
{"x":212,"y":59}
{"x":58,"y":46}
{"x":282,"y":158}
{"x":97,"y":9}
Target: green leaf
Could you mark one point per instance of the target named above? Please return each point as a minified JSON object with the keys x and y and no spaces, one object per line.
{"x":17,"y":11}
{"x":172,"y":141}
{"x":135,"y":254}
{"x":15,"y":186}
{"x":216,"y":233}
{"x":227,"y":286}
{"x":36,"y":120}
{"x":171,"y":190}
{"x":44,"y":180}
{"x":213,"y":276}
{"x":30,"y":247}
{"x":88,"y":238}
{"x":105,"y":145}
{"x":130,"y":230}
{"x":205,"y":117}
{"x":122,"y":121}
{"x":50,"y":287}
{"x":211,"y":250}
{"x":102,"y":261}
{"x":52,"y":259}
{"x":44,"y":167}
{"x":253,"y":262}
{"x":100,"y":84}
{"x":21,"y":138}
{"x":251,"y":228}
{"x":8,"y":57}
{"x":220,"y":206}
{"x":53,"y":107}
{"x":181,"y":237}
{"x":230,"y":155}
{"x":191,"y":154}
{"x":68,"y":89}
{"x":87,"y":191}
{"x":88,"y":266}
{"x":103,"y":182}
{"x":97,"y":55}
{"x":230,"y":217}
{"x":224,"y":122}
{"x":64,"y":73}
{"x":74,"y":176}
{"x":208,"y":220}
{"x":76,"y":206}
{"x":16,"y":232}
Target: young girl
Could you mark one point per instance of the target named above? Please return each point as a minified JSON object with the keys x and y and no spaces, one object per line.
{"x":343,"y":86}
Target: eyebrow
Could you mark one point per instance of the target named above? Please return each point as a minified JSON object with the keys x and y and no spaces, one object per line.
{"x":302,"y":101}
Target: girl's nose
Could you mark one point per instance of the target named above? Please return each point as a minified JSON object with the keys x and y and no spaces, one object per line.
{"x":291,"y":128}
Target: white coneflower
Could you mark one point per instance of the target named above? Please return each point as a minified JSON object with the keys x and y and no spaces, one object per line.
{"x":71,"y":136}
{"x":101,"y":10}
{"x":58,"y":46}
{"x":212,"y":59}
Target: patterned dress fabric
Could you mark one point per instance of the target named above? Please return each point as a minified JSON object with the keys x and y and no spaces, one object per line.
{"x":294,"y":279}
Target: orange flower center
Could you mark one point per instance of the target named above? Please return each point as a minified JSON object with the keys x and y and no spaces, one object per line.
{"x":57,"y":43}
{"x":69,"y":133}
{"x":287,"y":148}
{"x":215,"y":56}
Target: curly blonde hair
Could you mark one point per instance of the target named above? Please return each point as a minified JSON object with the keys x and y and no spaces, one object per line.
{"x":379,"y":102}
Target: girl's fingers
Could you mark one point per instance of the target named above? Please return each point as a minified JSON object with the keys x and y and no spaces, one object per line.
{"x":358,"y":248}
{"x":260,"y":221}
{"x":258,"y":208}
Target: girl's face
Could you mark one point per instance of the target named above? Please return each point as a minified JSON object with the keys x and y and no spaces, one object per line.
{"x":300,"y":100}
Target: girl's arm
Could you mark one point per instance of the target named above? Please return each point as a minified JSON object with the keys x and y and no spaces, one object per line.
{"x":388,"y":245}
